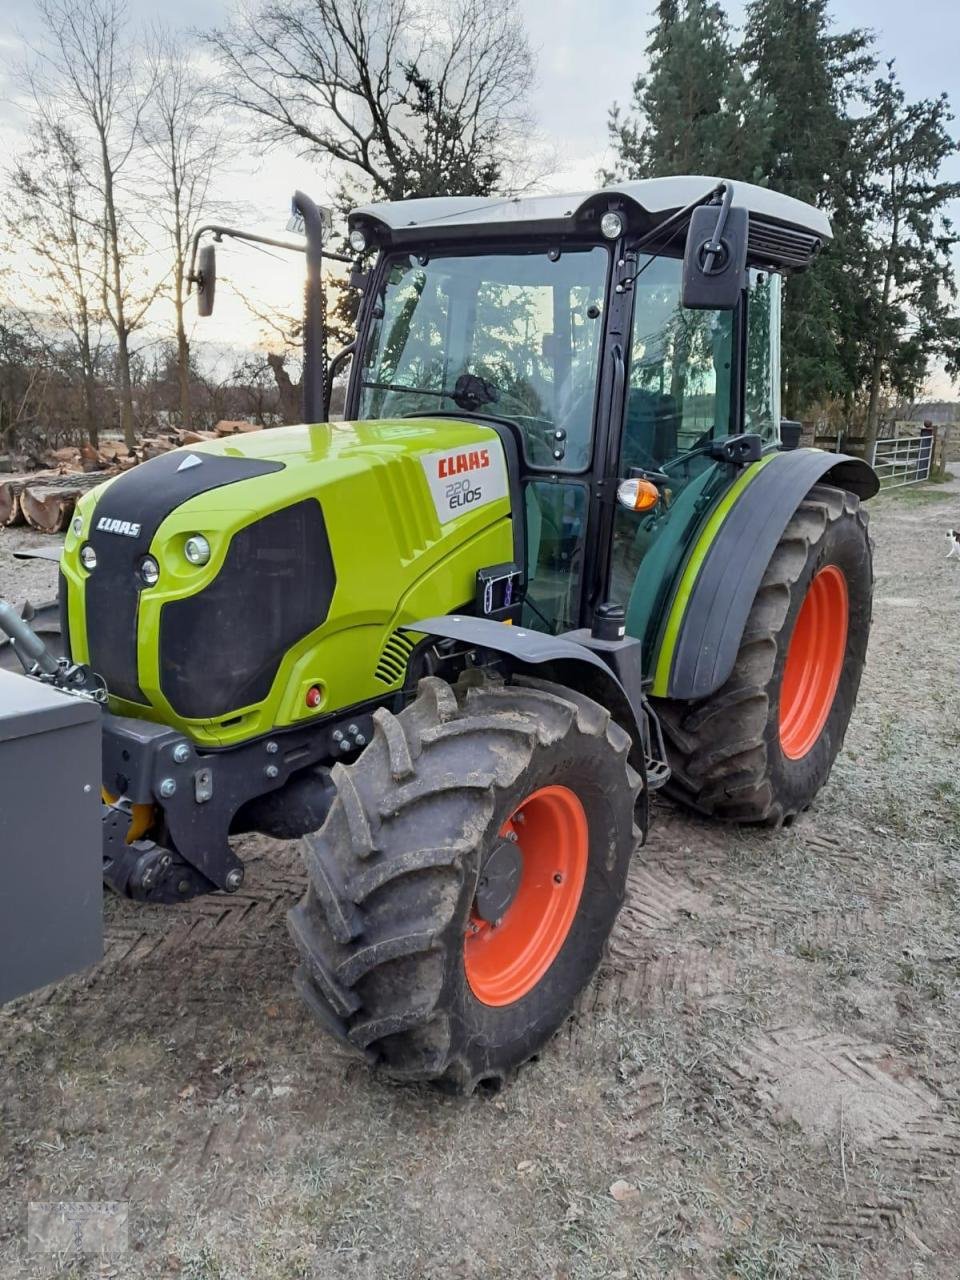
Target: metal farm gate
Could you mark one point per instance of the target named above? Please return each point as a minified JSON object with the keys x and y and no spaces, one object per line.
{"x":903,"y":460}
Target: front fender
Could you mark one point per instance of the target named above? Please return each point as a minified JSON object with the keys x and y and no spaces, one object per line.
{"x":615,"y":684}
{"x":704,"y":623}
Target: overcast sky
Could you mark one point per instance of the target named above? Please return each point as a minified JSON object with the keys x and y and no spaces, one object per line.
{"x":588,"y":52}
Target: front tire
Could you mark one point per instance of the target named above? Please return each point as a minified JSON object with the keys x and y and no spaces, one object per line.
{"x":762,"y":746}
{"x":399,"y":954}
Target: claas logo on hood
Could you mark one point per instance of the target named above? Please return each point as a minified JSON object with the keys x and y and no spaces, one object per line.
{"x":455,"y":464}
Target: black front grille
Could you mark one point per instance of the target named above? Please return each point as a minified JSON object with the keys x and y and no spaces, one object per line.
{"x":220,"y":649}
{"x":127,"y":516}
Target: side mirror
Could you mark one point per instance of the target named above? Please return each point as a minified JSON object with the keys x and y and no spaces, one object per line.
{"x":714,"y":266}
{"x":206,"y":279}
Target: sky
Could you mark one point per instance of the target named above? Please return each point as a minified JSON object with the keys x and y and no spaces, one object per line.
{"x":587,"y":55}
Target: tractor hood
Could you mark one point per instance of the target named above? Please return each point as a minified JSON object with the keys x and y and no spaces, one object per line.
{"x":222,"y":585}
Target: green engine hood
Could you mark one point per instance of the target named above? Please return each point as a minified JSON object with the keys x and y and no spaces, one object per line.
{"x":411,"y":509}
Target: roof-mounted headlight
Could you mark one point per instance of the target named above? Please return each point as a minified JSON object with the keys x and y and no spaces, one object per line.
{"x":611,"y":225}
{"x":358,"y":240}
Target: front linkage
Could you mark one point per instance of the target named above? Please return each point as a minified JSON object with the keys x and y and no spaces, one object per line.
{"x":191,"y":801}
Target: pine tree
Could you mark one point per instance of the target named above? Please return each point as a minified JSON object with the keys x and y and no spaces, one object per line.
{"x":911,"y":318}
{"x":805,"y":76}
{"x":687,"y":110}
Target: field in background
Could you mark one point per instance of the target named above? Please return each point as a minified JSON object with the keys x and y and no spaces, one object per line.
{"x":763,"y":1081}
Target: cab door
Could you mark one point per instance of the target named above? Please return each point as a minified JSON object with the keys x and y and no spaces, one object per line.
{"x":692,"y":377}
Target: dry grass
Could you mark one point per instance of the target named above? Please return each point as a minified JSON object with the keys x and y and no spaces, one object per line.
{"x":768,"y":1060}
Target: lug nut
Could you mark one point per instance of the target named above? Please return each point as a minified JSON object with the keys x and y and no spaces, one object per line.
{"x":360,"y":740}
{"x":234,"y":879}
{"x":167,"y":788}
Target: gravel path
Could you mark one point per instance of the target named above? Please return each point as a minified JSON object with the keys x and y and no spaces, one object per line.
{"x":762,"y":1082}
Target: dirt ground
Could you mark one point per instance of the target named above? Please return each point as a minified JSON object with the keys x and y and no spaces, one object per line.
{"x":765,"y":1071}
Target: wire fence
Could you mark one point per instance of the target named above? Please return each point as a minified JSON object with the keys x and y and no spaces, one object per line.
{"x":903,"y":460}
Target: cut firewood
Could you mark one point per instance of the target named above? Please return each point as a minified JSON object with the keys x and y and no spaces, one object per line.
{"x":229,"y":427}
{"x":153,"y":449}
{"x":48,"y":505}
{"x":188,"y":436}
{"x":113,"y":450}
{"x":11,"y":512}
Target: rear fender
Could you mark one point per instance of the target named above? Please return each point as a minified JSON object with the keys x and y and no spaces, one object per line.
{"x":704,"y":623}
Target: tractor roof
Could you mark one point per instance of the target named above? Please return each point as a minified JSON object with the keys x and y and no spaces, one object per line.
{"x":785,"y":234}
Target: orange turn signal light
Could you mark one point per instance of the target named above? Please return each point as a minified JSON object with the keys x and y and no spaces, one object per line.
{"x":638,"y":495}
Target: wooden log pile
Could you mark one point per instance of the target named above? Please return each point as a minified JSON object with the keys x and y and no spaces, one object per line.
{"x":45,"y":499}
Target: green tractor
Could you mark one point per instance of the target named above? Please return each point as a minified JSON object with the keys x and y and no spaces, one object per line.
{"x":561,"y":552}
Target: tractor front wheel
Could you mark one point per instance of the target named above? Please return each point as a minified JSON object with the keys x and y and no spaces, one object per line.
{"x":467,"y":877}
{"x":760,"y":748}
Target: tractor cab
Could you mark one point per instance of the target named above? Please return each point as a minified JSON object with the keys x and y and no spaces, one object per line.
{"x":581,"y":323}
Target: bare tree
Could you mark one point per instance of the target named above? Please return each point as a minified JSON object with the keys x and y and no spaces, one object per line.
{"x":185,"y":154}
{"x":282,"y":336}
{"x":49,"y":223}
{"x":413,"y":98}
{"x":86,"y":72}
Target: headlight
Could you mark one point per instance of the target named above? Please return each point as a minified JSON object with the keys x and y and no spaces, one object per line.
{"x":77,"y":525}
{"x":88,"y":557}
{"x":358,"y":240}
{"x":197,"y":549}
{"x":611,"y":226}
{"x":149,"y":571}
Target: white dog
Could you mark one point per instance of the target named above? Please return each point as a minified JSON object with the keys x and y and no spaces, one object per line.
{"x":953,"y":537}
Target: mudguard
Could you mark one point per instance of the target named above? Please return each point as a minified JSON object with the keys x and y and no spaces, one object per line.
{"x":613,"y":680}
{"x":704,"y":624}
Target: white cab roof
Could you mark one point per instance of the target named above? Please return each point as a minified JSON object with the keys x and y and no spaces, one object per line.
{"x":657,"y":197}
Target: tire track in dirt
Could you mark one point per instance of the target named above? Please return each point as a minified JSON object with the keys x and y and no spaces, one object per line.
{"x":865,"y":1105}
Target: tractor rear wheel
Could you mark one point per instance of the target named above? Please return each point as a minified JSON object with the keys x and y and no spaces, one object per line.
{"x":467,"y":876}
{"x":761,"y":747}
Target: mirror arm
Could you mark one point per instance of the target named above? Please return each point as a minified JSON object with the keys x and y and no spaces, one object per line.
{"x":235,"y":233}
{"x":720,"y":189}
{"x":724,"y":189}
{"x":715,"y":246}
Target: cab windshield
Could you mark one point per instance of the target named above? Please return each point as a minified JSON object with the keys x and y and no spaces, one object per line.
{"x":512,"y":336}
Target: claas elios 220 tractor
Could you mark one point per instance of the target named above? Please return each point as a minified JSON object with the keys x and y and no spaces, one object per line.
{"x":560,"y":553}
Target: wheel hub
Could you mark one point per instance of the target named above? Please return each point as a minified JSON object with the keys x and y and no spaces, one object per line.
{"x":499,"y":881}
{"x":528,"y":896}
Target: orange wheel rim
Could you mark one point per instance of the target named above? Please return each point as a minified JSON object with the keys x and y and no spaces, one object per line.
{"x":814,"y":662}
{"x":504,"y":961}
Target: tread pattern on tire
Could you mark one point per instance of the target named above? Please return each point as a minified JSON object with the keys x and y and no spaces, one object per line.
{"x":717,"y":747}
{"x":383,"y":919}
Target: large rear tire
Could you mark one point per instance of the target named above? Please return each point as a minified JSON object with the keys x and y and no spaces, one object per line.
{"x":400,"y":953}
{"x":762,"y":746}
